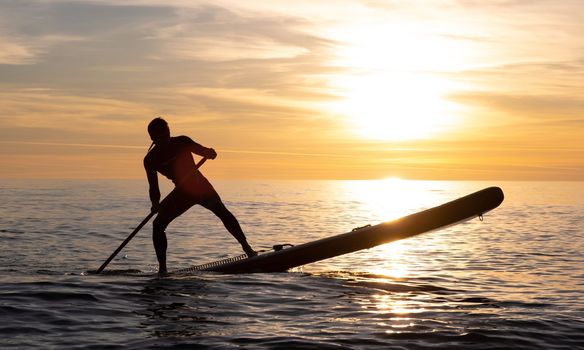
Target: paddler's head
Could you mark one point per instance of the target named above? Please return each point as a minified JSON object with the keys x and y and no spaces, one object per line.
{"x":159,"y":131}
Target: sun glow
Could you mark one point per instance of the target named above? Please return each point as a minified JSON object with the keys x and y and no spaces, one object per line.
{"x":396,"y":90}
{"x":390,"y":198}
{"x":395,"y":106}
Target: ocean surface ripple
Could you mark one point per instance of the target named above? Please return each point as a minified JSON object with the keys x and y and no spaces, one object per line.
{"x":514,"y":281}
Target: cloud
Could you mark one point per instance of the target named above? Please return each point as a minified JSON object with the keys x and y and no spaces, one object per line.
{"x":544,"y":126}
{"x":131,"y":48}
{"x":256,"y":74}
{"x":212,"y":33}
{"x":535,"y":106}
{"x":44,"y":32}
{"x":28,"y":50}
{"x":45,"y":115}
{"x":26,"y":35}
{"x":13,"y":52}
{"x":200,"y":65}
{"x":229,"y":49}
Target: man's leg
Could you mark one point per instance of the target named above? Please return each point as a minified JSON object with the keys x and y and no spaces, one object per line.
{"x":160,"y":243}
{"x":170,"y":208}
{"x":231,"y":224}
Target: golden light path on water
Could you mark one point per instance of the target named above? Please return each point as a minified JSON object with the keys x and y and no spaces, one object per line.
{"x":386,"y":200}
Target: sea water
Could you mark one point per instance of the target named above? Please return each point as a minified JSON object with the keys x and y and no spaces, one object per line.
{"x":512,"y":281}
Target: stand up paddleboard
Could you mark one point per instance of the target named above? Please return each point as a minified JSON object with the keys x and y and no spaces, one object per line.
{"x":282,"y":259}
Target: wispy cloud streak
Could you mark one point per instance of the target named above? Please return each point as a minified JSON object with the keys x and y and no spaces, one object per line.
{"x":257,"y":78}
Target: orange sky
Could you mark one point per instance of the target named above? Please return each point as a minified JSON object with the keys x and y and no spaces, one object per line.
{"x":297,"y":90}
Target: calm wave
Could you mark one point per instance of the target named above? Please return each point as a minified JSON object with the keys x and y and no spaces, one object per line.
{"x":514,"y":281}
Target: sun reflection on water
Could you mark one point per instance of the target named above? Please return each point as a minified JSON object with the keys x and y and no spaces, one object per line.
{"x":385,"y":200}
{"x":399,"y":306}
{"x":393,"y":264}
{"x":392,"y":258}
{"x":391,"y":198}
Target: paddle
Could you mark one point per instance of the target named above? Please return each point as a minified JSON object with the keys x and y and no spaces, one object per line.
{"x":137,"y":229}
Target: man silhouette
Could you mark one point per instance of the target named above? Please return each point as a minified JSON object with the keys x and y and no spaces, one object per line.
{"x":171,"y":156}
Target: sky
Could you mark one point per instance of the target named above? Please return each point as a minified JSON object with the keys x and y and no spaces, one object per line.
{"x":440,"y":90}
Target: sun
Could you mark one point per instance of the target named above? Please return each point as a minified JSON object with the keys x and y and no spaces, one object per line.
{"x":395,"y":88}
{"x":396,"y":106}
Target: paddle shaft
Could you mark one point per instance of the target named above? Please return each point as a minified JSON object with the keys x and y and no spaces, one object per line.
{"x":137,"y":229}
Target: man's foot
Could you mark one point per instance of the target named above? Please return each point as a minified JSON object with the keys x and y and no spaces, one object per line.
{"x":162,"y":272}
{"x":249,"y":251}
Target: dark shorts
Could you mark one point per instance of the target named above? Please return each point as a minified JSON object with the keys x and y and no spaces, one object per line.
{"x":197,"y":190}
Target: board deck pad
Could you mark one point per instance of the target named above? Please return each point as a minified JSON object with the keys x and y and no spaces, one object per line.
{"x":448,"y":214}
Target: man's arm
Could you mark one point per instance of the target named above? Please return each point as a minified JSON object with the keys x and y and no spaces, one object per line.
{"x":202,"y":151}
{"x":153,"y":190}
